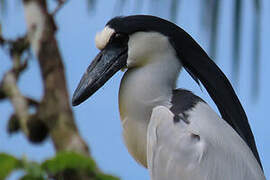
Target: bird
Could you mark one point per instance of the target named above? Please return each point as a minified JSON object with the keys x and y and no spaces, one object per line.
{"x":172,"y":132}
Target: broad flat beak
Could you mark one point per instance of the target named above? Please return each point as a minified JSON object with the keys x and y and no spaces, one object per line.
{"x":103,"y":67}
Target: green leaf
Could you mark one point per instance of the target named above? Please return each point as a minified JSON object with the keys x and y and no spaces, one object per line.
{"x":31,"y":177}
{"x":8,"y":164}
{"x":33,"y":170}
{"x":68,"y":160}
{"x":72,"y":161}
{"x":106,"y":177}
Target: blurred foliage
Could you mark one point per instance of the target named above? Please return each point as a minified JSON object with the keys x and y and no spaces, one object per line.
{"x":8,"y":164}
{"x":91,"y":4}
{"x":174,"y":10}
{"x":236,"y":38}
{"x":68,"y":161}
{"x":2,"y":6}
{"x":51,"y":168}
{"x":0,"y":28}
{"x":256,"y":47}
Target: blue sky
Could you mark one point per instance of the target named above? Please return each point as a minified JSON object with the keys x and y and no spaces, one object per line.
{"x":98,"y":117}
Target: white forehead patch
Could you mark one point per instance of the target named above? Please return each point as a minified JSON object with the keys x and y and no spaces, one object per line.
{"x":103,"y":37}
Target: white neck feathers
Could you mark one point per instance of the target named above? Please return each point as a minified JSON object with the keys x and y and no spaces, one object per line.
{"x":148,"y":83}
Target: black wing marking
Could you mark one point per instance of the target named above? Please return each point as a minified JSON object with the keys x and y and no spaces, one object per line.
{"x":182,"y":101}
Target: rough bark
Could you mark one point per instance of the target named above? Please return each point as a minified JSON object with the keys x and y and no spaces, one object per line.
{"x":54,"y":108}
{"x":9,"y":86}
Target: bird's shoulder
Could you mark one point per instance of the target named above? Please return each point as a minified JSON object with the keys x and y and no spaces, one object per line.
{"x":190,"y":139}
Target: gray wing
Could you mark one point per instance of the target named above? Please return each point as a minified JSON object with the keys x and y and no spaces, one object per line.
{"x":197,"y":146}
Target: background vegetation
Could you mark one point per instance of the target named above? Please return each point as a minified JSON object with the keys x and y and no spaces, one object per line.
{"x":51,"y":116}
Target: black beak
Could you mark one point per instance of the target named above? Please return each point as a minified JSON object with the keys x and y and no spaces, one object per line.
{"x":103,"y":67}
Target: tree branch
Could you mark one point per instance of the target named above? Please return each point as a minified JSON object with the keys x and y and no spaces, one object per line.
{"x":59,"y":6}
{"x":54,"y":108}
{"x":10,"y":89}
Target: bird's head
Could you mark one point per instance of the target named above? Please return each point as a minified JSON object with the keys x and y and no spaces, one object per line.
{"x":125,"y":42}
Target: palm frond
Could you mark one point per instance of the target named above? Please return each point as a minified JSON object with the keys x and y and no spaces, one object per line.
{"x":3,"y":7}
{"x":91,"y":5}
{"x":256,"y":49}
{"x":0,"y":28}
{"x":174,"y":10}
{"x":205,"y":14}
{"x":214,"y":29}
{"x":257,"y":4}
{"x":236,"y":39}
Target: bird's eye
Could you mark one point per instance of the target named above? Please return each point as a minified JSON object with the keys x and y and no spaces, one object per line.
{"x":119,"y":38}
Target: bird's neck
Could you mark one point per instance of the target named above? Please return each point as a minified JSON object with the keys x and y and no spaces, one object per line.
{"x":143,"y":88}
